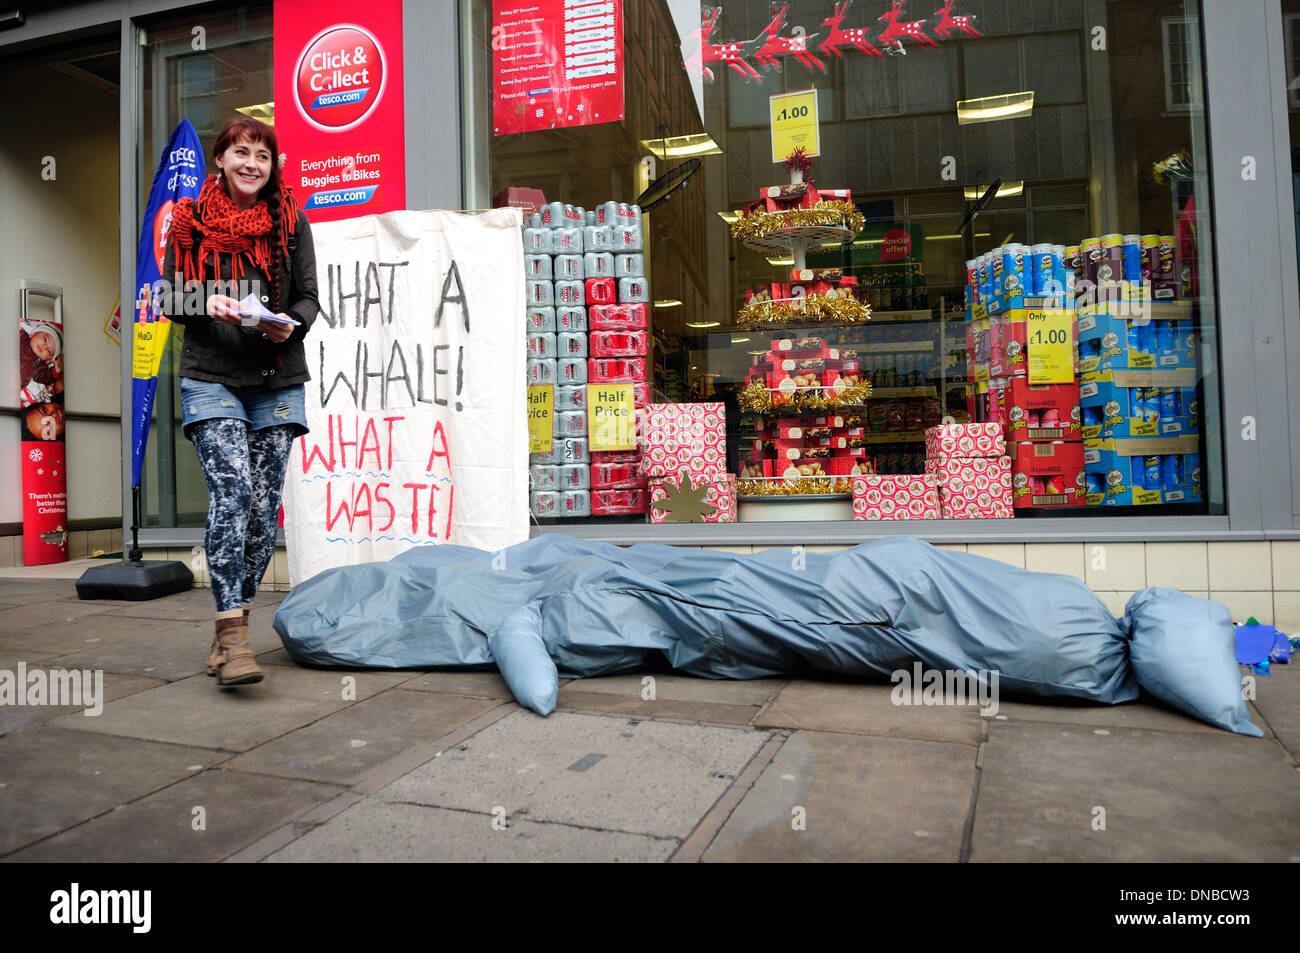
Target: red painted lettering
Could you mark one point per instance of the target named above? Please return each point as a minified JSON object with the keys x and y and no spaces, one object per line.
{"x":392,"y":510}
{"x":415,"y":489}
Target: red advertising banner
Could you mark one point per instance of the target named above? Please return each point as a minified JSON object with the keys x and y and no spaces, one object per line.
{"x":45,"y":481}
{"x":339,"y":106}
{"x":556,"y":63}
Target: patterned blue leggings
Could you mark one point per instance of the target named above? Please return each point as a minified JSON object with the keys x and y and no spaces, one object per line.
{"x":245,"y":474}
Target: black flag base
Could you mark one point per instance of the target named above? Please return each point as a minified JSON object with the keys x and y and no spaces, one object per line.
{"x":135,"y":580}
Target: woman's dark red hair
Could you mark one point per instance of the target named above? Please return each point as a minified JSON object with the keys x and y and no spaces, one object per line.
{"x":280,"y":202}
{"x":248,"y":129}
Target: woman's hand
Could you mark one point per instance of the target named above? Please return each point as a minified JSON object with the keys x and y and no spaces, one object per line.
{"x":276,"y":330}
{"x":225,"y":309}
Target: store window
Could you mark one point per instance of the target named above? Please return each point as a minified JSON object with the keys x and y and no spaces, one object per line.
{"x":1066,"y":149}
{"x":205,"y":77}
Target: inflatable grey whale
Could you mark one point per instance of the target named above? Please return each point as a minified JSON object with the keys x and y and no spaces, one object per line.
{"x":555,"y":605}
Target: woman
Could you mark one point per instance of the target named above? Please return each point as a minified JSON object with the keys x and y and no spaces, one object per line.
{"x":242,"y":379}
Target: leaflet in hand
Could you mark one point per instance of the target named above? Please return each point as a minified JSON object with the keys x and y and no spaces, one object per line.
{"x":253,"y":311}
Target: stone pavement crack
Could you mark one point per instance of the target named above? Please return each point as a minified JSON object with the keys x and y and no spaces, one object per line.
{"x":968,"y":830}
{"x":699,"y":840}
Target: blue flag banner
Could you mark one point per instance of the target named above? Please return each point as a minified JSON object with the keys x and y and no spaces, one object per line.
{"x":181,"y":171}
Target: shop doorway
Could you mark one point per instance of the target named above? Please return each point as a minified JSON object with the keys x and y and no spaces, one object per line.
{"x":59,"y":205}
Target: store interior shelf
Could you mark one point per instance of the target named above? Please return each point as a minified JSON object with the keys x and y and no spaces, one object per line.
{"x":895,"y":347}
{"x":889,"y":317}
{"x":900,"y":436}
{"x":878,"y":393}
{"x":788,"y":240}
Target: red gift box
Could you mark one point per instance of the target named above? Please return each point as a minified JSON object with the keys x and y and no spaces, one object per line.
{"x":601,"y":291}
{"x":689,"y":438}
{"x":895,"y":497}
{"x":965,"y":440}
{"x":616,"y":317}
{"x":777,"y":292}
{"x":617,"y":343}
{"x":973,"y":487}
{"x":842,"y":465}
{"x":803,"y":348}
{"x":721,"y":495}
{"x":1048,"y":474}
{"x":615,"y":370}
{"x":781,"y":198}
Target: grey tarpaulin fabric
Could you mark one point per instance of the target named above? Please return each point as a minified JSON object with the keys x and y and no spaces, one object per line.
{"x":596,"y":609}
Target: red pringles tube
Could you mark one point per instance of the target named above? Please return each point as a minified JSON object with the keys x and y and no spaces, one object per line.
{"x":617,"y":343}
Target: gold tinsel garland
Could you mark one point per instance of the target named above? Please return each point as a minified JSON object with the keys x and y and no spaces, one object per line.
{"x":811,"y":309}
{"x":804,"y":486}
{"x":834,"y":214}
{"x":757,"y":399}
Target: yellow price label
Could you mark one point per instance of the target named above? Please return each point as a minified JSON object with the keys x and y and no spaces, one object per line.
{"x":541,"y":417}
{"x":1049,"y":338}
{"x":148,"y":342}
{"x":610,"y":417}
{"x":794,"y":123}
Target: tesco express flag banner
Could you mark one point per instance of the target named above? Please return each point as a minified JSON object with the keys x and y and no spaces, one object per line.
{"x":339,"y":111}
{"x":180,"y":175}
{"x":417,"y":409}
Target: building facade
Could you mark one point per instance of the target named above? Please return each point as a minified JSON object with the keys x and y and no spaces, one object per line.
{"x":985,"y":124}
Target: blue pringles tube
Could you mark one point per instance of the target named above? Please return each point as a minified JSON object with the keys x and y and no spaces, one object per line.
{"x":1165,"y":336}
{"x":1171,"y":470}
{"x":1135,"y":336}
{"x":1014,"y":280}
{"x":1151,"y":473}
{"x":1151,"y":407}
{"x":1132,"y":252}
{"x":1094,"y":482}
{"x":1169,"y":402}
{"x":1136,"y":402}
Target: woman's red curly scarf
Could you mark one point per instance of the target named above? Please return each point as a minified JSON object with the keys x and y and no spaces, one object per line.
{"x":200,"y":229}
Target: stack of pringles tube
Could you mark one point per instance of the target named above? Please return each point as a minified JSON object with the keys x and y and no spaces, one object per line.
{"x":1124,"y":431}
{"x":587,"y":313}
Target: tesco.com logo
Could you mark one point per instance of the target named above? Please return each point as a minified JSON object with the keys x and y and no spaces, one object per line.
{"x":340,"y":77}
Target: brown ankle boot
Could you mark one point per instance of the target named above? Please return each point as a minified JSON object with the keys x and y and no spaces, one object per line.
{"x":231,"y":658}
{"x":215,"y":654}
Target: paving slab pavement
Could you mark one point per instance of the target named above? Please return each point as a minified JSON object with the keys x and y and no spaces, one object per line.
{"x":377,"y":830}
{"x":853,"y":797}
{"x":54,"y":778}
{"x":868,"y":709}
{"x":1167,"y":796}
{"x":704,"y":769}
{"x":114,"y":686}
{"x":172,"y":653}
{"x":599,"y":772}
{"x":343,"y":747}
{"x":1277,"y":705}
{"x":193,"y":711}
{"x":203,"y":818}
